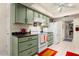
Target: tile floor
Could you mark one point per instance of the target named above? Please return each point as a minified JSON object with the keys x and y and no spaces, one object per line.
{"x":65,"y":46}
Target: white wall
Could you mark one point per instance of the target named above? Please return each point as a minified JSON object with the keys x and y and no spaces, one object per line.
{"x":4,"y":29}
{"x":76,"y":33}
{"x":75,"y":19}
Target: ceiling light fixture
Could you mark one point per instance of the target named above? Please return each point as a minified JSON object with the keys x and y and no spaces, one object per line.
{"x":64,"y":5}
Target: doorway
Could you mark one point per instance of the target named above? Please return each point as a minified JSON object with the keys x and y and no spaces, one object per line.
{"x":68,"y":31}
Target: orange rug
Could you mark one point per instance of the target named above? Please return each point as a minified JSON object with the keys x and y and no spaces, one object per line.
{"x":47,"y":52}
{"x":71,"y":54}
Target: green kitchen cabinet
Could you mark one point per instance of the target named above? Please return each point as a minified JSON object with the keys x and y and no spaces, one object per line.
{"x":36,"y":15}
{"x":47,"y":20}
{"x":24,"y":46}
{"x":26,"y":15}
{"x":44,"y":17}
{"x":30,"y":15}
{"x":30,"y":52}
{"x":22,"y":39}
{"x":20,"y":14}
{"x":40,"y":16}
{"x":50,"y":38}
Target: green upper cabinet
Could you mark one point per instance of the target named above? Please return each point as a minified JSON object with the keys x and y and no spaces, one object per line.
{"x":40,"y":16}
{"x":30,"y":16}
{"x":20,"y":14}
{"x":35,"y":15}
{"x":47,"y":20}
{"x":26,"y":15}
{"x":44,"y":17}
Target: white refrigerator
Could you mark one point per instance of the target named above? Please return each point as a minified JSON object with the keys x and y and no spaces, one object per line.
{"x":56,"y":28}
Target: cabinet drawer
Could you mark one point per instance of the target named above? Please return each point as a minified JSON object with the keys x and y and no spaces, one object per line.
{"x":50,"y":38}
{"x":26,"y":45}
{"x":29,"y":52}
{"x":50,"y":43}
{"x":50,"y":34}
{"x":34,"y":37}
{"x":23,"y":39}
{"x":28,"y":38}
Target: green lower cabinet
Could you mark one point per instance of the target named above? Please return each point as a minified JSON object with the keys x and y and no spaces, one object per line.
{"x":50,"y":42}
{"x":22,"y":39}
{"x":24,"y":46}
{"x":50,"y":39}
{"x":29,"y":52}
{"x":25,"y":53}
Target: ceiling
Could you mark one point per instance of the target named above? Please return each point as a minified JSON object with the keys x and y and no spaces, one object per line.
{"x":56,"y":9}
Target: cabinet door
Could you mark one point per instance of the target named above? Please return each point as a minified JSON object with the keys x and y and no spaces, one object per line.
{"x":40,"y":16}
{"x":47,"y":20}
{"x":20,"y":13}
{"x":44,"y":18}
{"x":29,"y":52}
{"x":35,"y":15}
{"x":34,"y":37}
{"x":25,"y":45}
{"x":50,"y":39}
{"x":22,"y":39}
{"x":30,"y":15}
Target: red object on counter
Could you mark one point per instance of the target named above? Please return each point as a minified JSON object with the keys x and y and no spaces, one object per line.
{"x":23,"y":30}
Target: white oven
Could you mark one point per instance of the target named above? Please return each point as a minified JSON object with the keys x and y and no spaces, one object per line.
{"x":42,"y":42}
